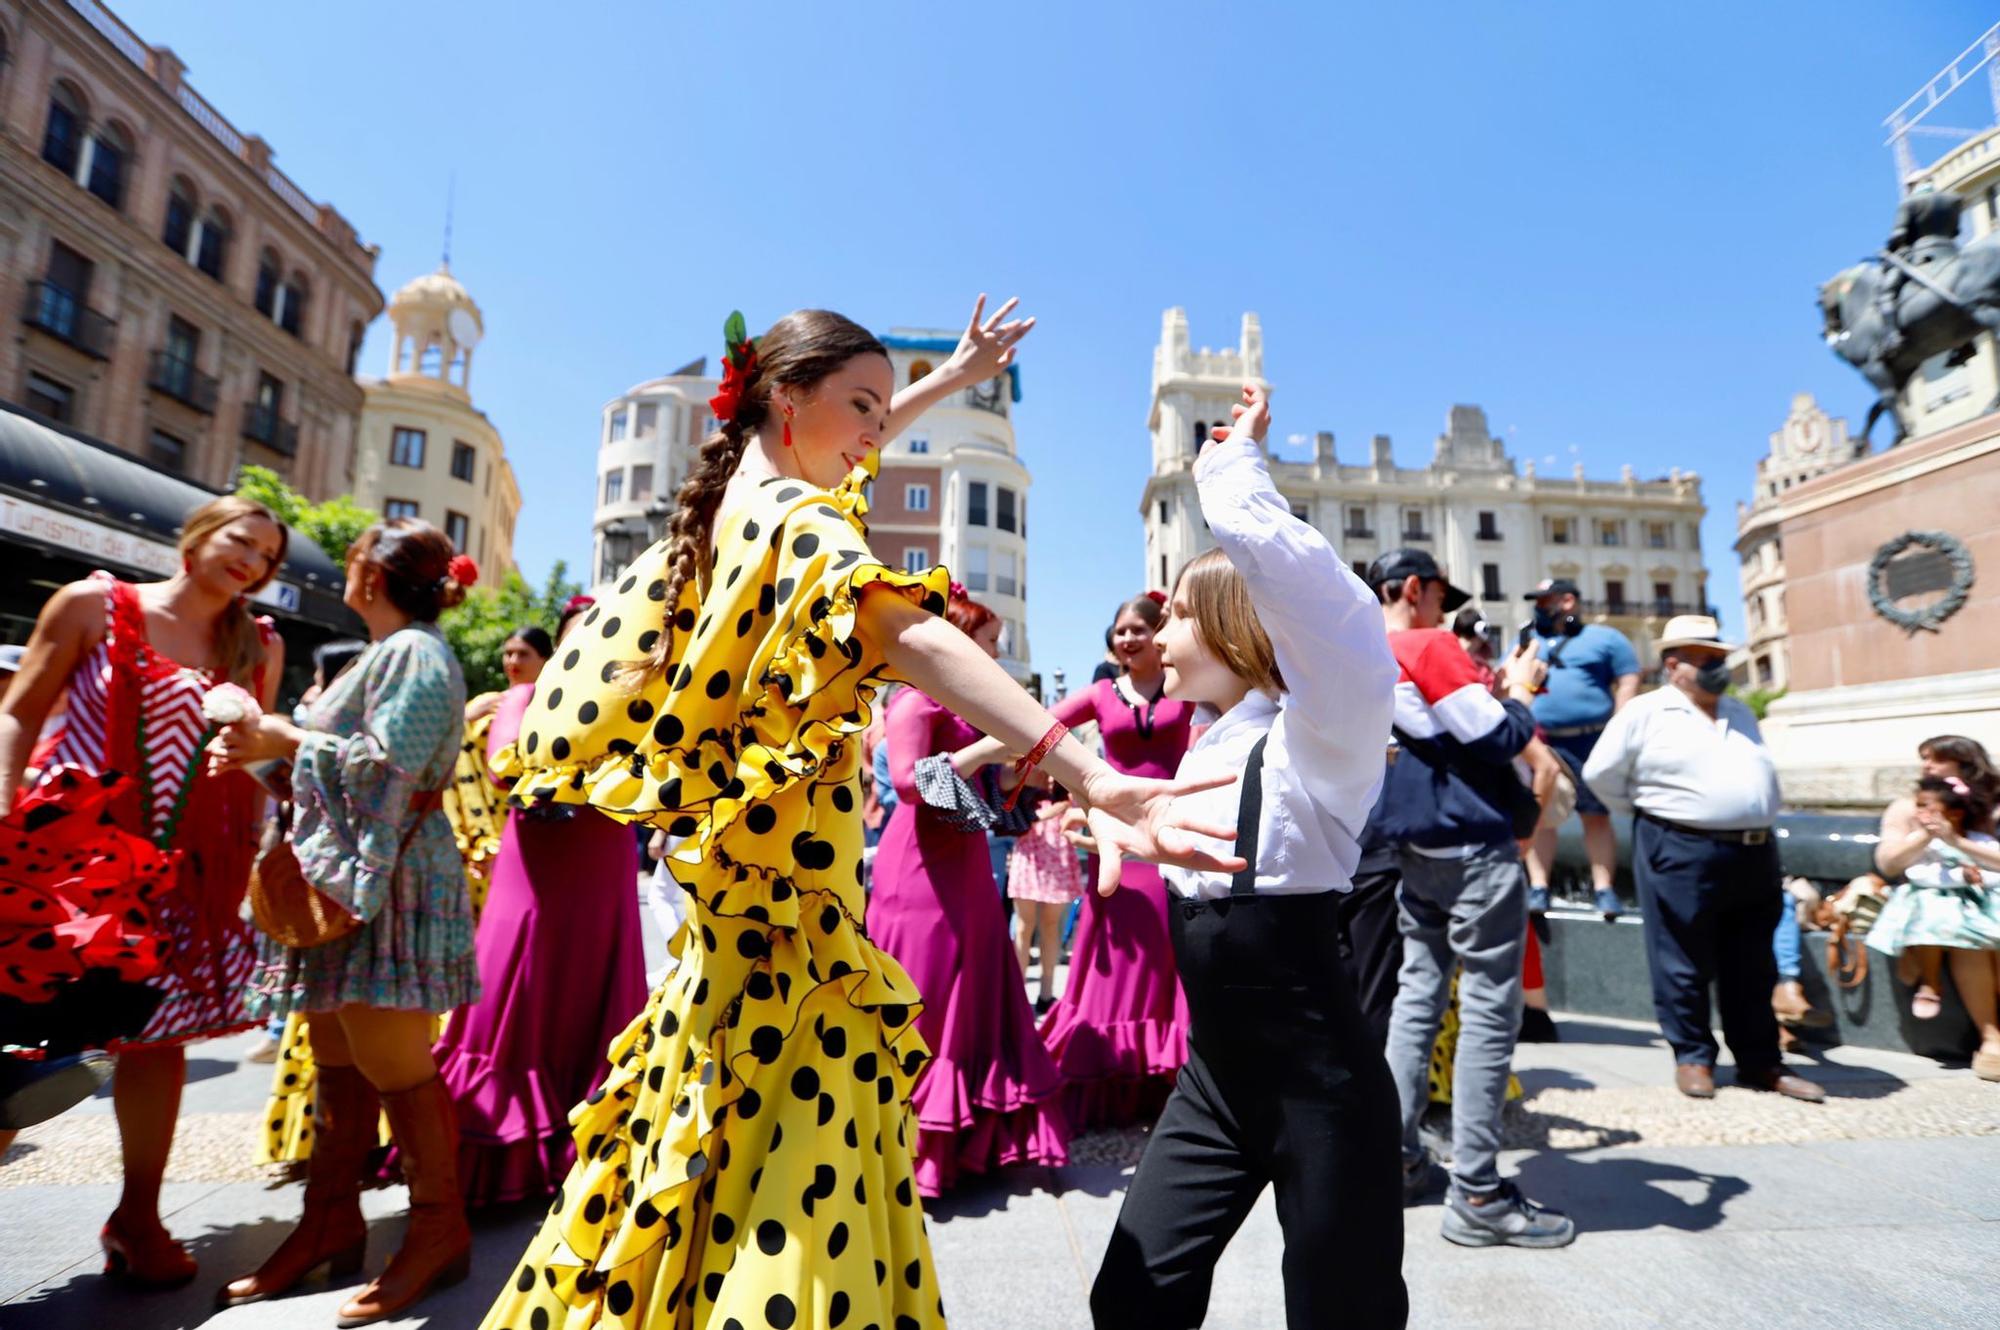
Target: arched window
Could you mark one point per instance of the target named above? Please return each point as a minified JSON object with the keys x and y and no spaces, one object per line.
{"x":110,"y":156}
{"x":292,"y":303}
{"x":177,"y":232}
{"x":268,"y":277}
{"x":62,"y":139}
{"x":918,"y":369}
{"x":211,"y":246}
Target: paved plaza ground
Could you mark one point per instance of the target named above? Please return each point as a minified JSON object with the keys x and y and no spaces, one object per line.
{"x":1879,"y":1208}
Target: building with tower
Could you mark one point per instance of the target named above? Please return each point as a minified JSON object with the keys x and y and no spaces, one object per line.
{"x":1497,"y":527}
{"x":951,"y":488}
{"x":1810,"y":443}
{"x":425,"y":449}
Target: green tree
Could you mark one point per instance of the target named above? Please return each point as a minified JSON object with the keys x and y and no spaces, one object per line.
{"x":478,"y":628}
{"x":332,"y":525}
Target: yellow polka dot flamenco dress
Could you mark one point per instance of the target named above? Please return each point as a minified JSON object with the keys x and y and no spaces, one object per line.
{"x":747,"y":1161}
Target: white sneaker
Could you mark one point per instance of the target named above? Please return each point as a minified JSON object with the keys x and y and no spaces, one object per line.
{"x":267,"y":1050}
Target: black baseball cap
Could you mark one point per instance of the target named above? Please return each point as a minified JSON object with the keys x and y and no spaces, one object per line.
{"x":1553,"y":586}
{"x":1399,"y":564}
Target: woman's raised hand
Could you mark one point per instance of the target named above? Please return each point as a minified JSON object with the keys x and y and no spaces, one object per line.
{"x":988,"y":344}
{"x":1252,"y":414}
{"x":1133,"y":818}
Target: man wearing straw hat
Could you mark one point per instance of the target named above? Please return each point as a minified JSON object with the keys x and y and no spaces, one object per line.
{"x":1690,"y":764}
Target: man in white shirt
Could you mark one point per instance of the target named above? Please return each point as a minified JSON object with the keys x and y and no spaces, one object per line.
{"x":1690,"y":764}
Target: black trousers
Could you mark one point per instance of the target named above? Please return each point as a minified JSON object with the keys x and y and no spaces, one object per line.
{"x":1285,"y":1086}
{"x":1371,"y":945}
{"x":1710,"y":909}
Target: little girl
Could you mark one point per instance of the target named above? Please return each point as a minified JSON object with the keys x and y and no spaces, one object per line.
{"x":1284,"y":1085}
{"x":1043,"y":879}
{"x":1943,"y":902}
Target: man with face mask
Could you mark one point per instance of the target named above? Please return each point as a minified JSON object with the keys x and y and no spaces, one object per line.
{"x":1691,"y":765}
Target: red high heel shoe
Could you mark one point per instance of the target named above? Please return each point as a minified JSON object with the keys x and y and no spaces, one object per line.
{"x":145,"y":1259}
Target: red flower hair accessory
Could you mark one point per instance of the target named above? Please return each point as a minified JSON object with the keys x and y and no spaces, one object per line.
{"x":958,"y":591}
{"x":1158,"y":598}
{"x":578,"y":603}
{"x":739,"y":359}
{"x":462,"y":570}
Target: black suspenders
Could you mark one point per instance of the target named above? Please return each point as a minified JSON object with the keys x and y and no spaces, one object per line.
{"x":1248,"y":821}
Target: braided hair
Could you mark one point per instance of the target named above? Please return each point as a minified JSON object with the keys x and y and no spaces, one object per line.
{"x":798,"y":352}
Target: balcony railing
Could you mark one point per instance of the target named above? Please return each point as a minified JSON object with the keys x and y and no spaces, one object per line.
{"x":61,"y":315}
{"x":1358,"y":532}
{"x":262,"y":425}
{"x":1416,"y":535}
{"x":177,"y":377}
{"x":1486,"y":535}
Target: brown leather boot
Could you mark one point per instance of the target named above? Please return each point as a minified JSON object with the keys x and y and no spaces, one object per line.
{"x":437,"y":1249}
{"x":331,"y":1231}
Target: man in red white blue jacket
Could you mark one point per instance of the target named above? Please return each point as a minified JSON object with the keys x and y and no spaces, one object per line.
{"x":1448,"y":804}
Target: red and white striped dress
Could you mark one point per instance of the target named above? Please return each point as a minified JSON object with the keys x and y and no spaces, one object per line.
{"x":134,"y":710}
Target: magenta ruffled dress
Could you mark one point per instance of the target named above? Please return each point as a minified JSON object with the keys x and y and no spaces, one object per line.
{"x":562,"y":973}
{"x":989,"y":1096}
{"x":1118,"y":1034}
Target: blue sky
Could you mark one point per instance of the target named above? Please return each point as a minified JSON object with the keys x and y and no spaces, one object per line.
{"x":1604,"y":223}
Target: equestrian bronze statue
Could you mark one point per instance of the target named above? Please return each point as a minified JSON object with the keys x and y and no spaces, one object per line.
{"x":1924,"y":295}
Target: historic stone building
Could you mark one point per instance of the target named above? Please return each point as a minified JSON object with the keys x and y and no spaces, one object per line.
{"x":426,"y":451}
{"x":1498,"y":528}
{"x":1808,"y":444}
{"x":951,"y":488}
{"x":174,"y":293}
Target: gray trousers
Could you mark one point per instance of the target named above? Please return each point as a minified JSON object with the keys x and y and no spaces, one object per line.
{"x":1470,"y":915}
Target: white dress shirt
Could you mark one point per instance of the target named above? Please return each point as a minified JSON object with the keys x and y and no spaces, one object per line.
{"x":1323,"y":763}
{"x":1662,"y":755}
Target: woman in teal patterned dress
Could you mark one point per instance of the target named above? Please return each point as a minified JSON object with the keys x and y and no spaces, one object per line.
{"x":368,"y":770}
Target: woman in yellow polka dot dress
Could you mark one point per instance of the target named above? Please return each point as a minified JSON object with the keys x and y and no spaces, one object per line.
{"x":746,"y":1162}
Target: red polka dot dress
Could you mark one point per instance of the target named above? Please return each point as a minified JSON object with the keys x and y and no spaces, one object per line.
{"x":747,"y":1159}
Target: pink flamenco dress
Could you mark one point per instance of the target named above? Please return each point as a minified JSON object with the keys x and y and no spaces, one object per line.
{"x":989,"y":1098}
{"x":562,"y":972}
{"x":1118,"y":1034}
{"x":122,"y":872}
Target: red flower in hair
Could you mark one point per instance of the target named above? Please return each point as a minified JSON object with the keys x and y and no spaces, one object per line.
{"x":958,"y":591}
{"x":1158,"y":598}
{"x":738,"y":361}
{"x":462,"y":570}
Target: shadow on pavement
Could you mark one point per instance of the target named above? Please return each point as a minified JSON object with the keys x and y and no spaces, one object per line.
{"x":1618,"y":1193}
{"x":198,"y":1069}
{"x":1583,"y":1030}
{"x":88,"y":1299}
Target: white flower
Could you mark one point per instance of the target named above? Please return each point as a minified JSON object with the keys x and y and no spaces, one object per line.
{"x":228,"y":704}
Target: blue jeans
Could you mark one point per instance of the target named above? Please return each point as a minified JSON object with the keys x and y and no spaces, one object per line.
{"x":1786,"y":944}
{"x":998,"y":848}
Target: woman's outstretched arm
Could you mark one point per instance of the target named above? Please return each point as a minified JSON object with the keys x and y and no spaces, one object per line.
{"x":949,"y":666}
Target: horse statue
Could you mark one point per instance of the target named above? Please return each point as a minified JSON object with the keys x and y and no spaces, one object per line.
{"x":1922,"y":296}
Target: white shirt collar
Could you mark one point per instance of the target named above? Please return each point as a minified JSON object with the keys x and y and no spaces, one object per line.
{"x":1254,"y":711}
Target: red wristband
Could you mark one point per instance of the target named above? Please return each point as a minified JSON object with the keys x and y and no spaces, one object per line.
{"x":1034,"y":759}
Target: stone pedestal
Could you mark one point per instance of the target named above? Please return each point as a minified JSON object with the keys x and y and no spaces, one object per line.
{"x":1893,"y":639}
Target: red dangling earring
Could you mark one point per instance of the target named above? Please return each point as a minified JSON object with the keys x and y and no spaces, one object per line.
{"x":788,"y":426}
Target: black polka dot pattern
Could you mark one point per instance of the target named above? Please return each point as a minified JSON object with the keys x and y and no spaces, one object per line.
{"x":723,"y":1165}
